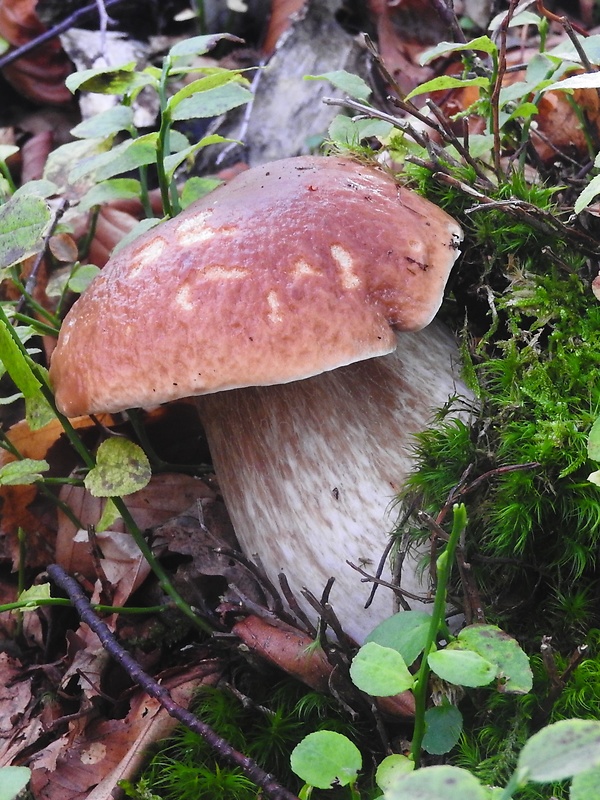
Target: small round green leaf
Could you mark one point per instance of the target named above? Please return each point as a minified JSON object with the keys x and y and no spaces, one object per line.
{"x":380,"y":671}
{"x":560,"y":751}
{"x":586,"y":785}
{"x":437,"y":783}
{"x":325,"y":758}
{"x":20,"y":473}
{"x":391,"y":768}
{"x":462,"y":667}
{"x":405,"y":632}
{"x":443,"y":726}
{"x":495,"y":645}
{"x":121,"y":468}
{"x":12,"y":781}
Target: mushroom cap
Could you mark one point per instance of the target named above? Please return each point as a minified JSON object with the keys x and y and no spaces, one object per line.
{"x":291,"y":269}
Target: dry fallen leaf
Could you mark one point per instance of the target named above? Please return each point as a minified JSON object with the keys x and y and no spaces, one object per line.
{"x":23,"y":506}
{"x":40,"y":75}
{"x":111,"y":750}
{"x":165,"y":496}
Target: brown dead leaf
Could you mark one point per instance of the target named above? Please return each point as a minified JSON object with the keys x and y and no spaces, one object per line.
{"x":34,"y":154}
{"x":40,"y":75}
{"x":196,"y":534}
{"x":165,"y":496}
{"x":404,"y":31}
{"x":63,"y":247}
{"x":23,"y":506}
{"x":111,"y":750}
{"x":16,"y":705}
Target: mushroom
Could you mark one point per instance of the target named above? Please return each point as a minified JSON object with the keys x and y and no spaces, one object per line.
{"x":286,"y":302}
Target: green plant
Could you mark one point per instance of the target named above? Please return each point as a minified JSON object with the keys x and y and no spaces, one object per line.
{"x":567,"y":749}
{"x":12,"y":781}
{"x":268,"y":728}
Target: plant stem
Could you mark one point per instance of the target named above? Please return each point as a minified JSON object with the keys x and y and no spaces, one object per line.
{"x":444,"y":570}
{"x":90,"y":462}
{"x":31,"y":605}
{"x":163,"y":142}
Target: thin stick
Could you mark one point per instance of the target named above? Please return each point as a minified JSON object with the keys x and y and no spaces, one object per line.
{"x":53,"y":32}
{"x":221,"y":747}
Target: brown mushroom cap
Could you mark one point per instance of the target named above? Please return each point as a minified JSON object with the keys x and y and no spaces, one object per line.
{"x":291,"y":269}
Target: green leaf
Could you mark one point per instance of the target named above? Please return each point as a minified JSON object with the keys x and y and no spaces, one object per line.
{"x":498,"y":647}
{"x":594,"y":477}
{"x":34,"y":595}
{"x":591,"y":191}
{"x":350,"y":132}
{"x":38,"y":411}
{"x":120,"y":79}
{"x":124,"y":157}
{"x":212,"y":102}
{"x":405,"y":632}
{"x":39,"y":188}
{"x":81,"y":277}
{"x":60,"y":161}
{"x":437,"y":783}
{"x":121,"y":468}
{"x":17,"y":363}
{"x":198,"y":45}
{"x":110,"y":190}
{"x":23,"y":472}
{"x":584,"y":80}
{"x":212,"y":81}
{"x":106,"y":123}
{"x":586,"y":785}
{"x":110,"y":514}
{"x":195,"y":188}
{"x":325,"y":758}
{"x":445,"y":82}
{"x":23,"y":222}
{"x":524,"y":18}
{"x":143,"y":225}
{"x":12,"y":781}
{"x":347,"y":82}
{"x":482,"y":43}
{"x":380,"y":671}
{"x":462,"y":667}
{"x":566,"y":50}
{"x":560,"y":751}
{"x":443,"y":726}
{"x":173,"y":161}
{"x":391,"y":768}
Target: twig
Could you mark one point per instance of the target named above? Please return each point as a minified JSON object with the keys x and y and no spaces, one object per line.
{"x":33,"y":275}
{"x":51,"y":33}
{"x":221,"y":747}
{"x":446,"y":11}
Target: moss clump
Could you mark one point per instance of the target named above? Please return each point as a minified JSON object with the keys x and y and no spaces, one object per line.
{"x":532,"y":345}
{"x":267,"y":730}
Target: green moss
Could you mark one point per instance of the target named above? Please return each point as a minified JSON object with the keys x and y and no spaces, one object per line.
{"x":267,"y":730}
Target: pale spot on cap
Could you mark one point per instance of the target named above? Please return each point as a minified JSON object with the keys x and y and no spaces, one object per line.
{"x":274,"y":306}
{"x":147,"y":255}
{"x":182,"y":298}
{"x":220,"y":273}
{"x":303,"y":269}
{"x":345,"y":262}
{"x":194,"y":230}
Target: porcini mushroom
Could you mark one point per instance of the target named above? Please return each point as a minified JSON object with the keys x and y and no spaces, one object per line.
{"x":276,"y":300}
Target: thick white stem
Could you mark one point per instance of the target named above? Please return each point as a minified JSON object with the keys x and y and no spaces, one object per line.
{"x":310,"y":470}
